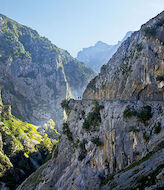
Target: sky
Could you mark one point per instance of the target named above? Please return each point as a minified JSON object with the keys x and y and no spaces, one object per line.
{"x":76,"y":24}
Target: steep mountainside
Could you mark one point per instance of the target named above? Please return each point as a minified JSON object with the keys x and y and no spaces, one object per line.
{"x":22,"y":148}
{"x":136,"y":71}
{"x":35,"y":75}
{"x":114,"y":144}
{"x":99,"y":54}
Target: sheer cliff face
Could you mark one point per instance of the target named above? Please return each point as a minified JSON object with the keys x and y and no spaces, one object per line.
{"x":96,"y":146}
{"x":35,"y":75}
{"x":136,"y":71}
{"x":113,"y":144}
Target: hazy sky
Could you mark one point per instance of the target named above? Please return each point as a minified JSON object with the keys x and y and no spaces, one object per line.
{"x":75,"y":24}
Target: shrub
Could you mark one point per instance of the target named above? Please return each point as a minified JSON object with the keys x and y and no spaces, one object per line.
{"x":67,"y":132}
{"x":145,"y":136}
{"x":65,"y":106}
{"x":144,"y":114}
{"x":160,"y":78}
{"x":139,"y":47}
{"x":96,"y":141}
{"x":93,"y":118}
{"x":149,"y":31}
{"x":157,"y":128}
{"x":133,"y":129}
{"x":129,"y":112}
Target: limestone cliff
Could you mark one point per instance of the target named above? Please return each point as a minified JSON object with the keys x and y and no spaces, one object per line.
{"x":106,"y":145}
{"x":114,"y":144}
{"x":136,"y":70}
{"x":35,"y":75}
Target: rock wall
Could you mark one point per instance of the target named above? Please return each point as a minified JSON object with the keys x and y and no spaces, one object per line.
{"x":135,"y":72}
{"x":35,"y":75}
{"x":91,"y":156}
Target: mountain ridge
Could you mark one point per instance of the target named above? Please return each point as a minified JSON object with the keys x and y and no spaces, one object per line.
{"x":99,"y":54}
{"x":113,"y":137}
{"x":36,"y":75}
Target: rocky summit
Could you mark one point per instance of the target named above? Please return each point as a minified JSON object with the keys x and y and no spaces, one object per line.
{"x":35,"y":75}
{"x":99,"y":54}
{"x":113,"y":139}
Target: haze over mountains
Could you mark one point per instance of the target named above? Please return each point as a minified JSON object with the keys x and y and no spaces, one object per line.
{"x":99,"y":54}
{"x":111,"y":139}
{"x":35,"y":75}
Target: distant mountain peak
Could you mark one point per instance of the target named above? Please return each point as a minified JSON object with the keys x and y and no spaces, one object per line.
{"x":99,"y":54}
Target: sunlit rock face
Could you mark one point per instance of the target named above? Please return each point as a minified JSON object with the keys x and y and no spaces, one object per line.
{"x":135,"y":72}
{"x":113,"y":137}
{"x":35,"y":75}
{"x":93,"y":154}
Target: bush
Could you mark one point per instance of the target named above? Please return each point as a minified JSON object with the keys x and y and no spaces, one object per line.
{"x":139,"y":47}
{"x":157,"y":128}
{"x":149,"y":31}
{"x":65,"y":106}
{"x":145,"y":137}
{"x":129,"y":112}
{"x":93,"y":118}
{"x":144,"y":114}
{"x":96,"y":141}
{"x":133,"y":129}
{"x":67,"y":132}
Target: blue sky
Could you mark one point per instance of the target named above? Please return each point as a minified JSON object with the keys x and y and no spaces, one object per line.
{"x":75,"y":24}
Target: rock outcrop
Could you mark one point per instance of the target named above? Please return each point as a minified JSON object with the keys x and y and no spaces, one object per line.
{"x":135,"y":72}
{"x":99,"y":54}
{"x":108,"y":143}
{"x":35,"y":75}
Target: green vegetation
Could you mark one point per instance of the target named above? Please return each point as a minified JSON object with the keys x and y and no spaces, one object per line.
{"x":129,"y":112}
{"x":157,"y":128}
{"x":147,"y":157}
{"x":20,"y":143}
{"x":133,"y":129}
{"x":92,"y":85}
{"x":107,"y":179}
{"x":139,"y":47}
{"x":146,"y":137}
{"x":125,"y":68}
{"x":83,"y":152}
{"x":96,"y":141}
{"x":149,"y":31}
{"x":65,"y":106}
{"x":93,"y":118}
{"x":144,"y":114}
{"x":150,"y":179}
{"x":67,"y":132}
{"x":160,"y":78}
